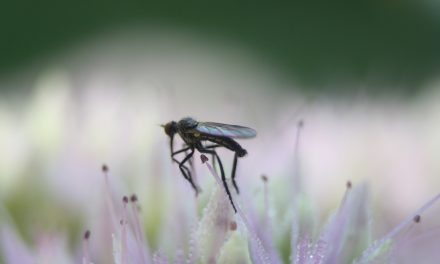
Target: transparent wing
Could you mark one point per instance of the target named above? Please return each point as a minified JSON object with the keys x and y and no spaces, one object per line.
{"x":225,"y":130}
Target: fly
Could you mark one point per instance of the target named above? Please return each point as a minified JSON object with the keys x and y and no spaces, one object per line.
{"x":196,"y":135}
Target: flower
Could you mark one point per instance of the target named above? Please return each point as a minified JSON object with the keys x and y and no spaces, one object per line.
{"x":219,"y":235}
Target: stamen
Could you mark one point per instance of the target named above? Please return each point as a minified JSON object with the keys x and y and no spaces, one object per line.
{"x":348,"y":185}
{"x":104,"y":168}
{"x":137,"y":225}
{"x":404,"y":225}
{"x":109,"y":197}
{"x":86,"y":250}
{"x":296,"y":191}
{"x":217,"y":178}
{"x":297,"y":182}
{"x":138,"y":228}
{"x":336,"y":228}
{"x":260,"y":250}
{"x":266,"y":199}
{"x":124,"y":231}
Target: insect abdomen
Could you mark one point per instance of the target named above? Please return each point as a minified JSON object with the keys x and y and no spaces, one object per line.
{"x":227,"y":143}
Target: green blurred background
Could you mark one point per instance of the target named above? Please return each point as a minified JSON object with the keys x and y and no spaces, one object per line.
{"x":321,"y":44}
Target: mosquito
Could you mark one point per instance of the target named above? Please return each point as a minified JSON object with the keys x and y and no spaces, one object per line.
{"x":205,"y":137}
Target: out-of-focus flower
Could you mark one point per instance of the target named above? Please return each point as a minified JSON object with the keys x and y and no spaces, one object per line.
{"x":220,"y":236}
{"x":219,"y":233}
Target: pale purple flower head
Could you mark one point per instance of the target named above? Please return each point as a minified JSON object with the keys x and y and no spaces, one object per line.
{"x":257,"y":233}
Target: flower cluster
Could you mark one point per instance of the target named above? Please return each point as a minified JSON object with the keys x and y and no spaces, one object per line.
{"x":219,"y":235}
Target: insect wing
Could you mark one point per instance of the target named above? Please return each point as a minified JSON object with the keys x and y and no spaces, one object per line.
{"x":225,"y":130}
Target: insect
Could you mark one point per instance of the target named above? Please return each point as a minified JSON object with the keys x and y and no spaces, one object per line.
{"x":205,"y":137}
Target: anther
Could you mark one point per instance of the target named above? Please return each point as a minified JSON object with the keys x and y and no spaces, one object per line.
{"x":233,"y":225}
{"x":203,"y":158}
{"x":417,"y":218}
{"x":87,"y":235}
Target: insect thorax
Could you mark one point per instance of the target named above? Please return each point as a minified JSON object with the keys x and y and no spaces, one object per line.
{"x":183,"y":126}
{"x":189,"y":139}
{"x":186,"y":123}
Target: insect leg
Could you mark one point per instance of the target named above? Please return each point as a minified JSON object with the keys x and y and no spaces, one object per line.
{"x":234,"y":167}
{"x":191,"y":166}
{"x":180,"y":151}
{"x":213,"y":162}
{"x":171,"y":144}
{"x":186,"y":172}
{"x":213,"y":157}
{"x":178,"y":162}
{"x":225,"y":184}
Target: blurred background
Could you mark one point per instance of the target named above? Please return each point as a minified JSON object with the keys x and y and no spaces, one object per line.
{"x":87,"y":84}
